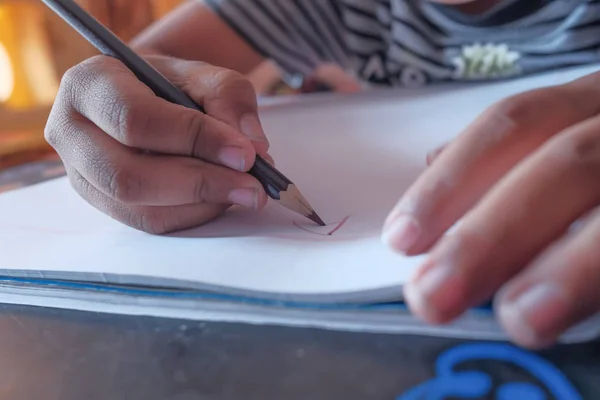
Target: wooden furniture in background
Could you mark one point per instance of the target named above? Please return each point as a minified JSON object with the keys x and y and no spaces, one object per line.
{"x":41,"y":48}
{"x":29,"y":75}
{"x":126,"y":18}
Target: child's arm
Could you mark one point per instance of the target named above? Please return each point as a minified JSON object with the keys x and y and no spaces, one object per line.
{"x":194,"y":32}
{"x":239,"y":34}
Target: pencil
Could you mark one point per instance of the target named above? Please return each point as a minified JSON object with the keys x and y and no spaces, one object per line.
{"x":276,"y":185}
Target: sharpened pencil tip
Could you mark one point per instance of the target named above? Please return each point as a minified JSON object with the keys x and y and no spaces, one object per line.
{"x":314,"y":217}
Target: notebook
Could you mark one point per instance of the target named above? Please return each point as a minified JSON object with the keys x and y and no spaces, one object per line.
{"x":351,"y":156}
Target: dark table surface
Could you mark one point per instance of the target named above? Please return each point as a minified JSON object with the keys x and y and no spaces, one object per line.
{"x":56,"y":354}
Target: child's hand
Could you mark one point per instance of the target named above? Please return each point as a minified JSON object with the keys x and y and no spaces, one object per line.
{"x":151,"y":164}
{"x":520,"y":176}
{"x":333,"y":78}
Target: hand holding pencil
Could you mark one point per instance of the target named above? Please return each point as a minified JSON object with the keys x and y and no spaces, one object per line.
{"x":154,"y":156}
{"x":105,"y":121}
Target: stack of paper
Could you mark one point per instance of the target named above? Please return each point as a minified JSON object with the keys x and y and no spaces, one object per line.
{"x":352,"y":157}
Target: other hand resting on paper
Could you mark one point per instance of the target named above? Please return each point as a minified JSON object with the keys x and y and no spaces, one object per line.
{"x":148,"y":163}
{"x":518,"y":178}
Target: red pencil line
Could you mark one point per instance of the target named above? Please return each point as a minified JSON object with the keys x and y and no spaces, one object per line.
{"x":334,"y":230}
{"x":309,"y":231}
{"x":339,"y":226}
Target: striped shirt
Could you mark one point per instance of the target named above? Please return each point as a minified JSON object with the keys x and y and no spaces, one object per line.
{"x":417,"y":42}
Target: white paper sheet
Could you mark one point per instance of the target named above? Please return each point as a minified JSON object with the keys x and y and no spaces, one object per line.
{"x":352,"y":157}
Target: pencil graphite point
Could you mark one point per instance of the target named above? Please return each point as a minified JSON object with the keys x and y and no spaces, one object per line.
{"x":314,"y":217}
{"x":293,"y":200}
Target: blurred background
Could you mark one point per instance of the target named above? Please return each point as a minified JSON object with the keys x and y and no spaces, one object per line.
{"x":36,"y":48}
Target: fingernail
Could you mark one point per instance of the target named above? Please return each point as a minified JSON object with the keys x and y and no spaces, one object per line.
{"x":528,"y":317}
{"x":247,"y":197}
{"x":402,"y":233}
{"x":251,"y":127}
{"x":233,"y":157}
{"x":418,"y":293}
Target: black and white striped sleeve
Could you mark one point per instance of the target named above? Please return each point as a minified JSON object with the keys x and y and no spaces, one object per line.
{"x":298,"y":35}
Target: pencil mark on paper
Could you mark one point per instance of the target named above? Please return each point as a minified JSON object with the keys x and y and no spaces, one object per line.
{"x":336,"y":227}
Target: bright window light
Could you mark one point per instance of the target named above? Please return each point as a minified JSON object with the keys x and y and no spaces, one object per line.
{"x":7,"y":78}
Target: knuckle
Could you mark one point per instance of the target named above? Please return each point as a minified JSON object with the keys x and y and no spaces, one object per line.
{"x":582,"y":152}
{"x":586,"y":147}
{"x":61,"y":115}
{"x":150,"y":221}
{"x":58,"y":129}
{"x":118,"y":114}
{"x":123,"y":184}
{"x":228,"y":82}
{"x":153,"y":220}
{"x":71,"y":77}
{"x":102,"y":81}
{"x":52,"y":131}
{"x":128,"y":119}
{"x":230,"y":93}
{"x":145,"y":219}
{"x":582,"y":94}
{"x":528,"y":107}
{"x":101,"y":65}
{"x":201,"y":189}
{"x":74,"y":74}
{"x":518,"y":109}
{"x":228,"y":77}
{"x":77,"y":181}
{"x":196,"y":128}
{"x":76,"y":79}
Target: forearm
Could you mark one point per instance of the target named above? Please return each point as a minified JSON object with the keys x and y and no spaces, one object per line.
{"x":194,"y":32}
